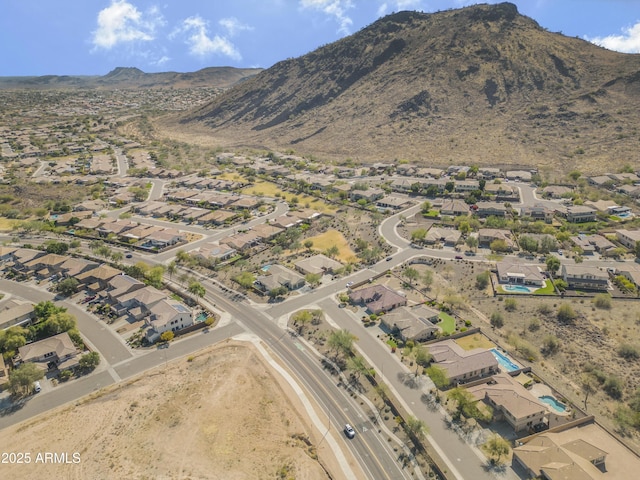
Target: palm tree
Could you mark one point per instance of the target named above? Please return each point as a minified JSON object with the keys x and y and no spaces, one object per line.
{"x":172,"y":268}
{"x":197,"y":290}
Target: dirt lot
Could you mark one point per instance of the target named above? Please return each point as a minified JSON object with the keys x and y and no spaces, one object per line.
{"x":221,"y":415}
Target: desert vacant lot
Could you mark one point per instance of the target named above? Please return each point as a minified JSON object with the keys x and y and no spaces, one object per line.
{"x":221,"y":415}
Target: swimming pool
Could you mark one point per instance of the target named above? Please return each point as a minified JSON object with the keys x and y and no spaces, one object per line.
{"x":516,"y":288}
{"x":504,"y":361}
{"x":266,"y":268}
{"x":553,"y":403}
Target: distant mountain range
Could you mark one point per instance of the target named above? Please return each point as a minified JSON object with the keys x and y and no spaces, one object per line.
{"x":131,"y":78}
{"x":481,"y":84}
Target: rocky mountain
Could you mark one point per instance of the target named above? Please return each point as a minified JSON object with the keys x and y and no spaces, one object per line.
{"x":482,"y":84}
{"x":132,"y":78}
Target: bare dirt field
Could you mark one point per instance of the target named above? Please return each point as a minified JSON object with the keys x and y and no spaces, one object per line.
{"x":220,"y":414}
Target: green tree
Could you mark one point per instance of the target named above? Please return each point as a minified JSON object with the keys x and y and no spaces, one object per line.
{"x":172,"y":268}
{"x":59,"y":248}
{"x":588,"y":385}
{"x":427,"y":278}
{"x":68,"y":286}
{"x":22,"y":378}
{"x":425,"y":207}
{"x":244,"y":279}
{"x":418,"y":235}
{"x":278,"y":292}
{"x":472,"y":242}
{"x":167,"y":336}
{"x":45,"y":309}
{"x":411,"y":274}
{"x":308,"y":244}
{"x":497,"y":447}
{"x":466,"y":404}
{"x":59,"y":322}
{"x":416,"y":428}
{"x":358,"y":366}
{"x":420,"y":356}
{"x":528,"y":244}
{"x":499,"y":246}
{"x":197,"y":290}
{"x":553,"y":264}
{"x":301,"y":319}
{"x":341,"y":342}
{"x":439,"y":376}
{"x":89,"y":361}
{"x":332,"y":251}
{"x":313,"y":278}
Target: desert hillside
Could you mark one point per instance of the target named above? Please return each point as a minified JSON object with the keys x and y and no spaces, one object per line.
{"x":482,"y":84}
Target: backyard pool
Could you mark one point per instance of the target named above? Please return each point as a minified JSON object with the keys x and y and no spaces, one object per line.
{"x":516,"y":288}
{"x":504,"y":361}
{"x":202,"y":316}
{"x":266,"y":268}
{"x":553,"y":403}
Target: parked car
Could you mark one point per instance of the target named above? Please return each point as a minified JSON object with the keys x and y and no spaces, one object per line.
{"x":349,"y":431}
{"x":389,"y":258}
{"x":458,"y":257}
{"x":349,"y":284}
{"x":128,"y":255}
{"x":37,"y":387}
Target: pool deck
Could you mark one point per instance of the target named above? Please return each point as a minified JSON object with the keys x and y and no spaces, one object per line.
{"x":539,"y":389}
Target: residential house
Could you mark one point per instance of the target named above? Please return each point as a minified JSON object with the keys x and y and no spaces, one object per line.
{"x":6,"y":253}
{"x":519,"y":175}
{"x":246,"y":203}
{"x":601,"y":205}
{"x":98,"y":278}
{"x":266,"y":231}
{"x":317,"y":264}
{"x":58,"y":351}
{"x":556,"y":191}
{"x":593,"y":243}
{"x":488,"y":209}
{"x":286,"y":221}
{"x":416,"y":323}
{"x":503,"y":192}
{"x":393,"y":202}
{"x":215,"y":252}
{"x":73,"y":267}
{"x":462,"y":365}
{"x":22,"y":256}
{"x":489,"y":173}
{"x":585,"y":277}
{"x":537,"y":212}
{"x":121,"y":285}
{"x":46,"y":265}
{"x":624,"y":177}
{"x":462,"y":186}
{"x":370,"y":195}
{"x":377,"y":298}
{"x":488,"y":235}
{"x":580,"y":214}
{"x":165,"y":238}
{"x":519,"y":274}
{"x":15,"y":312}
{"x":278,"y":276}
{"x":446,"y":236}
{"x":454,"y":206}
{"x":241,"y":242}
{"x":510,"y":401}
{"x":217,"y":217}
{"x":628,"y":238}
{"x":630,"y":190}
{"x":585,"y":452}
{"x":167,"y":315}
{"x":137,"y":302}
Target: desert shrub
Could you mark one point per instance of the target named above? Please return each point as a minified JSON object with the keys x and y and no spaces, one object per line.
{"x":527,"y":350}
{"x":566,"y":314}
{"x":534,"y":325}
{"x":510,"y":304}
{"x":544,"y":309}
{"x":550,"y":344}
{"x":613,"y":387}
{"x":482,"y":280}
{"x":497,"y":320}
{"x":628,"y":351}
{"x":602,"y":300}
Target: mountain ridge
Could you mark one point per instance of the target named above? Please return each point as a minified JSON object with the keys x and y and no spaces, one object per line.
{"x":133,"y":78}
{"x":481,"y":84}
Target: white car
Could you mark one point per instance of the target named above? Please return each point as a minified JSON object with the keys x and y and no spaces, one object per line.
{"x":349,"y":284}
{"x":349,"y":431}
{"x":37,"y":387}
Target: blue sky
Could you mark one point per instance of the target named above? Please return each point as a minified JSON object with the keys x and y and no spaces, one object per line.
{"x":91,"y":37}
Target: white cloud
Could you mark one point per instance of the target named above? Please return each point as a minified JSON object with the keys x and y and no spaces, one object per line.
{"x":398,"y":6}
{"x":628,"y":42}
{"x":233,"y":26}
{"x":121,"y":22}
{"x":201,"y":44}
{"x":333,"y":8}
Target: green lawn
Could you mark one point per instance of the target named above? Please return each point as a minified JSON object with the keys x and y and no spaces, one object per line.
{"x":546,"y":290}
{"x":447,"y":323}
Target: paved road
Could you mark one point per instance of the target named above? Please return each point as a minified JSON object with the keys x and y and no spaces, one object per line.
{"x":110,"y":345}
